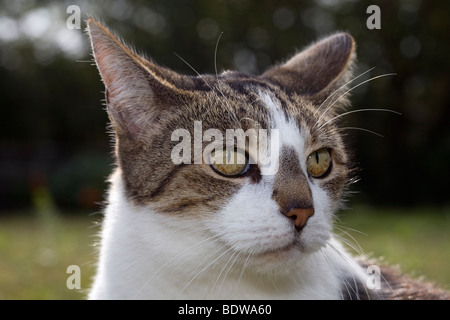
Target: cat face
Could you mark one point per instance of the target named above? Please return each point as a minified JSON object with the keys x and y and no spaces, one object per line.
{"x":276,"y":211}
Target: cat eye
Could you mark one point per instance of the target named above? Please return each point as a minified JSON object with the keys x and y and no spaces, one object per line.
{"x":318,"y":163}
{"x":230,"y":163}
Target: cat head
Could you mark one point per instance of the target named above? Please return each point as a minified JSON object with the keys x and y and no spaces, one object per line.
{"x":165,"y":125}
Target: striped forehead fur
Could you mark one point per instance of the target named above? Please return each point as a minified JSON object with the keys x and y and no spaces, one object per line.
{"x":151,"y":176}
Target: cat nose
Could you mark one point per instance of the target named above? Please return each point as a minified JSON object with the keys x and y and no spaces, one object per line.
{"x":300,"y":216}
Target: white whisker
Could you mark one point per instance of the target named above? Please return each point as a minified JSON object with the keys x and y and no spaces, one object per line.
{"x":206,"y":267}
{"x":218,"y":80}
{"x":250,"y":255}
{"x":332,"y":270}
{"x":361,"y":129}
{"x":217,"y":77}
{"x":355,"y":289}
{"x":229,"y":269}
{"x":193,"y":69}
{"x":215,"y":54}
{"x":222,"y":270}
{"x":165,"y":266}
{"x":357,"y":247}
{"x":343,"y":86}
{"x":352,"y":88}
{"x":355,"y":111}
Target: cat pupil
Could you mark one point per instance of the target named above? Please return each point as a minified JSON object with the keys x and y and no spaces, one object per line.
{"x":228,"y":156}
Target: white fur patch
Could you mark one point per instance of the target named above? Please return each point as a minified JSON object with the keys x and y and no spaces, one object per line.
{"x":146,"y":255}
{"x":319,"y":225}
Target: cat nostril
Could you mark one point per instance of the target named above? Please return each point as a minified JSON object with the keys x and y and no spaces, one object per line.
{"x":300,"y":216}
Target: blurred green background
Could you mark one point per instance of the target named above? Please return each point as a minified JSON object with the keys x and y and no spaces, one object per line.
{"x":55,"y":154}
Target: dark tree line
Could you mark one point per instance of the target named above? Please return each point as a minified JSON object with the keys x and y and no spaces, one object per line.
{"x":53,"y":123}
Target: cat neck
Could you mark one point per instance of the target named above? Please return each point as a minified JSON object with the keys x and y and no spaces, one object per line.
{"x":147,"y":255}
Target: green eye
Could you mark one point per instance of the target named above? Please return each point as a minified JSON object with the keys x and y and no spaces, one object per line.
{"x":318,"y":163}
{"x":230,"y":163}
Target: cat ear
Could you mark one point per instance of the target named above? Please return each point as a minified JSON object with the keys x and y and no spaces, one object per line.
{"x":138,"y":92}
{"x":318,"y":70}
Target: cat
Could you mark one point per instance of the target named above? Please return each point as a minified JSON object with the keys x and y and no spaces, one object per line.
{"x":239,"y":230}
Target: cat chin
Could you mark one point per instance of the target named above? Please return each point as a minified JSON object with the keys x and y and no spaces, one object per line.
{"x":281,"y":262}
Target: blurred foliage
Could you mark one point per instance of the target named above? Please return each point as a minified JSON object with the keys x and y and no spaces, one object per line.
{"x":53,"y":123}
{"x":35,"y":254}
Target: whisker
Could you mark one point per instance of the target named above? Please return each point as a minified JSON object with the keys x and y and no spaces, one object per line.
{"x":352,"y":88}
{"x":217,"y":77}
{"x":362,"y":129}
{"x":204,"y":268}
{"x":355,"y":111}
{"x":344,"y":85}
{"x":356,"y":247}
{"x":193,"y":275}
{"x":215,"y":54}
{"x":387,"y":283}
{"x":250,"y":255}
{"x":165,"y":265}
{"x":187,"y":63}
{"x":222,"y":270}
{"x":332,"y":270}
{"x":341,"y":226}
{"x":229,"y":269}
{"x":352,"y":238}
{"x":218,"y":80}
{"x":355,"y":289}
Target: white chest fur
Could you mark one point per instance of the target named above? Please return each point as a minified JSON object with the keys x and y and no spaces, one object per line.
{"x":145,"y":255}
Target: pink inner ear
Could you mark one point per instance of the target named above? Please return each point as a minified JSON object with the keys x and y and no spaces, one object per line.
{"x":128,"y":91}
{"x":115,"y":62}
{"x":138,"y":92}
{"x":108,"y":51}
{"x":101,"y":54}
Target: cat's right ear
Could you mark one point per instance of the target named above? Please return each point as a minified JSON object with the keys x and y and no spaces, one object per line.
{"x":138,"y":92}
{"x":319,"y":70}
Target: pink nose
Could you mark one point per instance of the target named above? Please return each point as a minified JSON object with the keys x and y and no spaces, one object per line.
{"x":300,"y":216}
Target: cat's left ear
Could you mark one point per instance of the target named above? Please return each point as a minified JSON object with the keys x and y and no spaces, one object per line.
{"x":318,"y":70}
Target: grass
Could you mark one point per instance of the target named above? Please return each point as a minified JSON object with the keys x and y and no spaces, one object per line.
{"x":35,"y":254}
{"x":417,"y":240}
{"x":36,"y":249}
